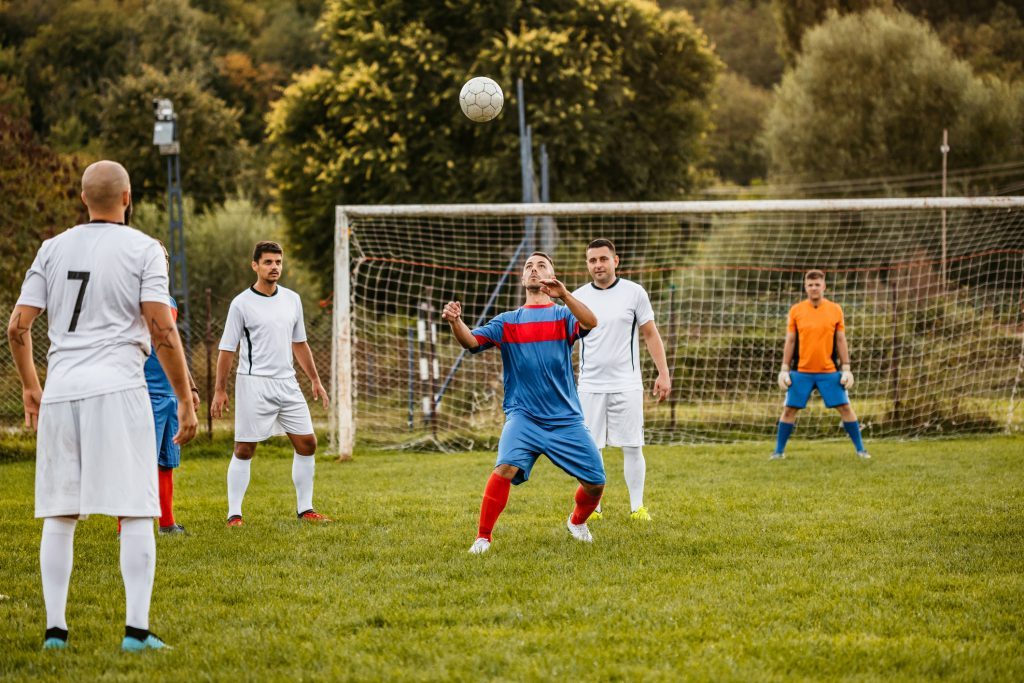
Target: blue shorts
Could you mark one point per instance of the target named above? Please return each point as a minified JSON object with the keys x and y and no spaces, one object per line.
{"x":165,"y":419}
{"x":570,"y":447}
{"x":827,"y":384}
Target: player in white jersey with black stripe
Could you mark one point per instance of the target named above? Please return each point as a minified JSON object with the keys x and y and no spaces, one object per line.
{"x":265,"y":326}
{"x":610,"y":384}
{"x":104,"y":288}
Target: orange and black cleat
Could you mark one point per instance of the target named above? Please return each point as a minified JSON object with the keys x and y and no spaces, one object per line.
{"x":314,"y":516}
{"x":235,"y":520}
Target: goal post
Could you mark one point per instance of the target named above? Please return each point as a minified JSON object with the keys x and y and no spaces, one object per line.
{"x":935,"y":317}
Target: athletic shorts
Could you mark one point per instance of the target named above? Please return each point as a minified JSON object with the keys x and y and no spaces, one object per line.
{"x":165,"y":421}
{"x":97,"y":455}
{"x":827,"y":384}
{"x":569,"y":447}
{"x":266,"y":407}
{"x":615,"y":419}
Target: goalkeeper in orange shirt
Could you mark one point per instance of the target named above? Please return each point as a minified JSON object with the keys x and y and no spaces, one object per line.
{"x":816,"y":338}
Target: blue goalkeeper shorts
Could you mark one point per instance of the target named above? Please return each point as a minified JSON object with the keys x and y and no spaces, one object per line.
{"x":570,"y":447}
{"x":165,"y":419}
{"x":827,"y":384}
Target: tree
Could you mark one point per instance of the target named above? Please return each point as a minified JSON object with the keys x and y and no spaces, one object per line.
{"x":795,"y":17}
{"x":737,"y":151}
{"x":616,"y":89}
{"x":41,"y":199}
{"x":869,"y":97}
{"x":208,"y":131}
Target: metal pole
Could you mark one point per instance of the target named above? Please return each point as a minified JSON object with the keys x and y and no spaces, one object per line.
{"x":411,"y":351}
{"x":209,"y":364}
{"x":343,"y":428}
{"x":945,"y":153}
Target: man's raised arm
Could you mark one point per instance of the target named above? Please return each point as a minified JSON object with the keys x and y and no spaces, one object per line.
{"x":452,"y":314}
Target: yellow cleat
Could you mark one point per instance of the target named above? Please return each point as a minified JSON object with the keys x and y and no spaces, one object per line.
{"x":596,"y":514}
{"x":640,"y":515}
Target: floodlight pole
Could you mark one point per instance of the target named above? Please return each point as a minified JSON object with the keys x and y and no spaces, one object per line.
{"x":165,"y":137}
{"x":945,"y":153}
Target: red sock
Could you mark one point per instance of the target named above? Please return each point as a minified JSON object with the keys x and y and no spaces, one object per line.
{"x":495,"y":498}
{"x":585,"y":504}
{"x":166,"y":497}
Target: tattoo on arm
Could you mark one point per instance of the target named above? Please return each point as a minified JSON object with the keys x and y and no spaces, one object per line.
{"x":163,"y":337}
{"x":16,"y":333}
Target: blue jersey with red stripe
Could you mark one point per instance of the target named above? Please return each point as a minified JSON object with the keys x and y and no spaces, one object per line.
{"x":536,"y":353}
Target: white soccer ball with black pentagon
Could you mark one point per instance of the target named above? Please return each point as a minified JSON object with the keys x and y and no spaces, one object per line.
{"x":481,"y":99}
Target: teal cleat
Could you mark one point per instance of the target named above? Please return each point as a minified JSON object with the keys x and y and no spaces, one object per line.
{"x":135,"y":643}
{"x":55,"y":639}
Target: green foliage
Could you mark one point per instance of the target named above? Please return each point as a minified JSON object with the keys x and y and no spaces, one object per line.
{"x":795,"y":17}
{"x":746,"y":37}
{"x":870,"y":96}
{"x":40,"y":199}
{"x":994,"y":46}
{"x":818,"y":567}
{"x":616,"y":91}
{"x":737,"y":150}
{"x":208,"y":132}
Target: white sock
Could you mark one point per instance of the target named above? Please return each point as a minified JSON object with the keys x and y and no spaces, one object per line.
{"x":303,"y":467}
{"x":138,"y":566}
{"x":635,"y":468}
{"x":56,"y":550}
{"x":238,"y":482}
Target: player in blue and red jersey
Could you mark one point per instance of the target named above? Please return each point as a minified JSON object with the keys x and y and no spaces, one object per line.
{"x":542,"y":408}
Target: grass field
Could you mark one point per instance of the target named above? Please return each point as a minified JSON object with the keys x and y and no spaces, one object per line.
{"x":818,"y":567}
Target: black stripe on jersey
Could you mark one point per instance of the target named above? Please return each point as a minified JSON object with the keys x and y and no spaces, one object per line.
{"x":266,"y":296}
{"x":248,"y":341}
{"x":632,"y":333}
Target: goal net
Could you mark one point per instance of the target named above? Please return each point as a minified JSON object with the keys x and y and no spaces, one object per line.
{"x":932,"y":290}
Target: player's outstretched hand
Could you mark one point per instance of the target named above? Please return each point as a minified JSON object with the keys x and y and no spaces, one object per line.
{"x":220,"y":403}
{"x":662,"y":387}
{"x":846,"y":377}
{"x":320,"y":393}
{"x":452,"y":311}
{"x":553,"y":288}
{"x":32,"y":398}
{"x":188,"y":423}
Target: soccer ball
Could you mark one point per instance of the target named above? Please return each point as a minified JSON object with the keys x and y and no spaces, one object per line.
{"x":481,"y":99}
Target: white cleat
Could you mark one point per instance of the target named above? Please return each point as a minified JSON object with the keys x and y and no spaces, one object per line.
{"x":480,"y":546}
{"x":863,"y":455}
{"x":579,"y":531}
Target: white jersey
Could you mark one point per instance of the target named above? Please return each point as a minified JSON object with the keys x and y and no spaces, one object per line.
{"x":610,"y":354}
{"x":91,"y":280}
{"x":265,"y":328}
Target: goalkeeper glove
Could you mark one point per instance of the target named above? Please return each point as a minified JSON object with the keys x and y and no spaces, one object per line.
{"x":784,"y":379}
{"x":846,"y":378}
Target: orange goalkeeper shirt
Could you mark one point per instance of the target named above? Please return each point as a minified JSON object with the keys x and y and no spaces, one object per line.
{"x":816,"y":329}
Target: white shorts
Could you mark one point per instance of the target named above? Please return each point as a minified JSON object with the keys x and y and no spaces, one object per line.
{"x":614,"y":419}
{"x":266,"y":407}
{"x":97,"y":455}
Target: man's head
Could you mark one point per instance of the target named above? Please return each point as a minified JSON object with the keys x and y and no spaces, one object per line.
{"x":538,"y":266}
{"x":107,"y":191}
{"x":602,"y":262}
{"x":268,"y":261}
{"x":814,"y":284}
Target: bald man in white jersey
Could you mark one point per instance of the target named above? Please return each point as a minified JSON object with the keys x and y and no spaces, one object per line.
{"x":104,"y":287}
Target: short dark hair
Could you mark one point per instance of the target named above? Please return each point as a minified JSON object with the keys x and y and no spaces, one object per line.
{"x":264,"y":248}
{"x":601,"y":242}
{"x":541,"y":253}
{"x":814,"y":275}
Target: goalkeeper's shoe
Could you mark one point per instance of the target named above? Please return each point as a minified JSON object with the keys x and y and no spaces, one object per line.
{"x":579,"y":531}
{"x":314,"y":516}
{"x":55,"y":639}
{"x":640,"y":515}
{"x":235,"y":520}
{"x":596,"y":514}
{"x":139,"y":639}
{"x":480,"y":546}
{"x":863,"y":455}
{"x":777,"y":456}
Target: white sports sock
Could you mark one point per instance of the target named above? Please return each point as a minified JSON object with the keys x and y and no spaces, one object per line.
{"x":56,"y":551}
{"x":138,"y":566}
{"x":303,"y":467}
{"x":635,"y":468}
{"x":238,"y":482}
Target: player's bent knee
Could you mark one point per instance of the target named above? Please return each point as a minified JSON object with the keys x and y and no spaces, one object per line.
{"x":304,"y":444}
{"x":506,"y":471}
{"x":593,"y":490}
{"x":245,"y":451}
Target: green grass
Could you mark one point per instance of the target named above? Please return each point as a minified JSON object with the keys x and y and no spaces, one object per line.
{"x":821,"y":566}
